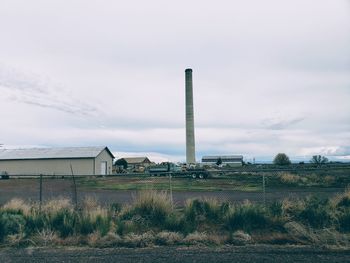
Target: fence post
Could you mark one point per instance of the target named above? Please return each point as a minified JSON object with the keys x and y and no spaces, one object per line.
{"x":75,"y":196}
{"x":264,"y":189}
{"x":171,"y":192}
{"x":40,"y":191}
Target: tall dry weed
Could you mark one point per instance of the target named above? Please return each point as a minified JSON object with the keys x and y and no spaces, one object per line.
{"x":17,"y":204}
{"x":53,"y":206}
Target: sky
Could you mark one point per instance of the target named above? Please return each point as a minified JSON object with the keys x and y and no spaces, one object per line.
{"x":268,"y":76}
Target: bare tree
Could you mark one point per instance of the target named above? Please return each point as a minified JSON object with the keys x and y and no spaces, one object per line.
{"x":318,"y":159}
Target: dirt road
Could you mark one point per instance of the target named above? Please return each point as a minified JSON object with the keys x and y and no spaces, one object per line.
{"x":177,"y":254}
{"x":28,"y":189}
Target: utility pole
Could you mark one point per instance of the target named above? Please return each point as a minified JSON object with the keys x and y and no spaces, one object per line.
{"x":75,"y":196}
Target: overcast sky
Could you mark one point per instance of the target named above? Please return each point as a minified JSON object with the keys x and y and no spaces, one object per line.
{"x":269,"y":76}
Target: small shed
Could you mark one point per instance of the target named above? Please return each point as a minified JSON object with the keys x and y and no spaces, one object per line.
{"x":57,"y":161}
{"x":133,"y":163}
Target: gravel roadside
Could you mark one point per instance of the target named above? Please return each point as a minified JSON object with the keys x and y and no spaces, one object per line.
{"x":177,"y":254}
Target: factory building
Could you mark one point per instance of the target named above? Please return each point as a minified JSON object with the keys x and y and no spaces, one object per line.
{"x":57,"y":161}
{"x":230,"y":160}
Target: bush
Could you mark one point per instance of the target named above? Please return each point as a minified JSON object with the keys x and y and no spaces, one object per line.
{"x":344,"y":221}
{"x":152,"y":207}
{"x":247,"y":217}
{"x":11,"y":224}
{"x":35,"y":222}
{"x":2,"y":231}
{"x":281,"y":159}
{"x":174,"y":222}
{"x":317,"y":212}
{"x":276,"y":209}
{"x":64,"y":222}
{"x":201,"y":212}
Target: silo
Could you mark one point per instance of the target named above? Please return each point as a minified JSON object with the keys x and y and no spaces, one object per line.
{"x":190,"y":143}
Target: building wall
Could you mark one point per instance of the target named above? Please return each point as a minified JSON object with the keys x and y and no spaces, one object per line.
{"x":48,"y":167}
{"x":104,"y":156}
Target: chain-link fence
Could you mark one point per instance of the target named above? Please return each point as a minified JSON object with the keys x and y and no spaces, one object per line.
{"x":235,"y":185}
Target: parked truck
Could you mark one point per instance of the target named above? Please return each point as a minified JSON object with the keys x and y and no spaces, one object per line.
{"x":168,"y":168}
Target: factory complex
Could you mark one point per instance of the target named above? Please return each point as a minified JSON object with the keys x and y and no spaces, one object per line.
{"x":100,"y":160}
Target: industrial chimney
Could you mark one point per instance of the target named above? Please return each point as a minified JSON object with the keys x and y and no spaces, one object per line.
{"x":190,"y":144}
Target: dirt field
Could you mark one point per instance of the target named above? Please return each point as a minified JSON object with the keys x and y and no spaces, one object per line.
{"x":28,"y":189}
{"x":177,"y":254}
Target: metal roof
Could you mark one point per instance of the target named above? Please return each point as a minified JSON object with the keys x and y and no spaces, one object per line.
{"x":136,"y":160}
{"x":52,"y":153}
{"x":224,"y":159}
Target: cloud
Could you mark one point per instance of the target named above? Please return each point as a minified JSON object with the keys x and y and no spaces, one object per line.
{"x":278,"y":123}
{"x":268,"y":76}
{"x":39,"y":91}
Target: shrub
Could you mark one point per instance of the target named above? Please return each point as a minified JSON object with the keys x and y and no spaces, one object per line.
{"x":11,"y":224}
{"x":247,"y":217}
{"x":344,"y":221}
{"x":36,"y":222}
{"x":115,"y":207}
{"x":317,"y":212}
{"x":152,"y":208}
{"x":93,"y":217}
{"x":276,"y":209}
{"x":64,"y":222}
{"x":126,"y":226}
{"x":2,"y":231}
{"x":342,"y":200}
{"x":202,"y":212}
{"x":281,"y":159}
{"x":174,"y":222}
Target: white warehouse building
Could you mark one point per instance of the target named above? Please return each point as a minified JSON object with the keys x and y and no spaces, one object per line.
{"x":230,"y":160}
{"x":57,"y":161}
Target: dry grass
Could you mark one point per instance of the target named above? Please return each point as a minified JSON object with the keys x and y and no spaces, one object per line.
{"x":300,"y":233}
{"x":153,"y":199}
{"x":201,"y":238}
{"x":289,"y":178}
{"x":92,"y":209}
{"x":112,"y":239}
{"x":150,"y":220}
{"x":17,"y":204}
{"x":143,"y":240}
{"x":273,"y":238}
{"x":15,"y":240}
{"x":292,"y":207}
{"x":341,"y":198}
{"x":240,"y":238}
{"x":55,"y":205}
{"x":168,"y":238}
{"x":45,"y":237}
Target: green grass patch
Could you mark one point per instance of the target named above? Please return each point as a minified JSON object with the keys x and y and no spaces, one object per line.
{"x":162,"y":183}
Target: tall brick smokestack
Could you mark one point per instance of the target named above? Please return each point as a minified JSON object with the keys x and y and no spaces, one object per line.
{"x":190,"y":143}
